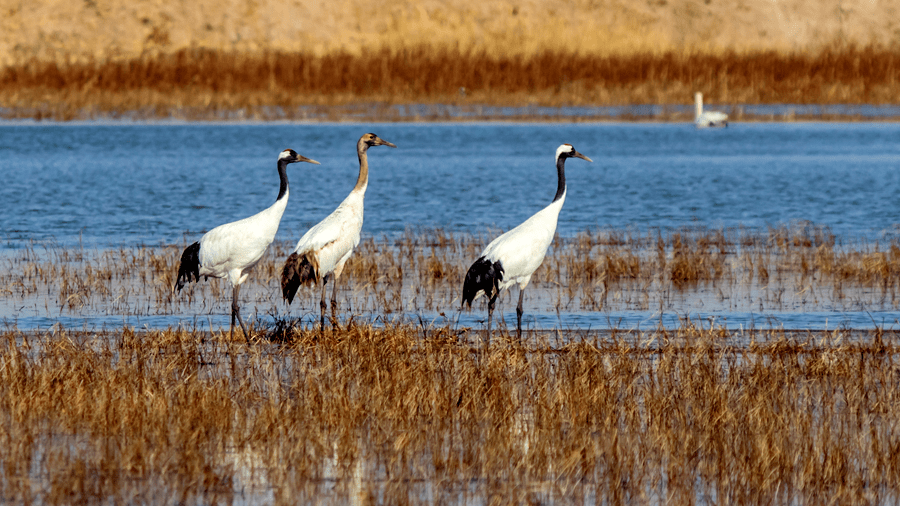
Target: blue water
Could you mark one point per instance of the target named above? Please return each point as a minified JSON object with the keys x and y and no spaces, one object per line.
{"x":110,"y":185}
{"x":127,"y":184}
{"x":635,"y":321}
{"x":603,"y":113}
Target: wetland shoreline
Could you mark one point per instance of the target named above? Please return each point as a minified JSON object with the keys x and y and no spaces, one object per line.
{"x":434,"y":84}
{"x":612,"y":279}
{"x":388,"y":407}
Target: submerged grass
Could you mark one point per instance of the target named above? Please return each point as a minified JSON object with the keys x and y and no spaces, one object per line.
{"x":389,"y":415}
{"x":402,"y":413}
{"x":782,"y":268}
{"x":198,"y":84}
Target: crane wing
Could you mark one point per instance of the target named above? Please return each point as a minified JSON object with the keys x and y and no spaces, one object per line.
{"x":333,"y":239}
{"x":522,"y":249}
{"x":337,"y":225}
{"x":231,"y":246}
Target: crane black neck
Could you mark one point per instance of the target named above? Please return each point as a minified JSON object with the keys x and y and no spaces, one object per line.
{"x":561,"y":174}
{"x":282,"y":174}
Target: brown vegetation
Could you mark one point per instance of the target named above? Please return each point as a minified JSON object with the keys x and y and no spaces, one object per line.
{"x":795,"y":269}
{"x":390,"y":415}
{"x":205,"y":84}
{"x":406,"y":413}
{"x":64,"y":31}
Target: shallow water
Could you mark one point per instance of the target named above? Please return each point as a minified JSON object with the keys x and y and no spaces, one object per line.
{"x":126,"y":184}
{"x":634,"y":321}
{"x":101,"y":185}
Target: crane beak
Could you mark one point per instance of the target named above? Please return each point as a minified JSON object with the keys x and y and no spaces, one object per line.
{"x":576,"y":154}
{"x":301,"y":158}
{"x":381,"y":142}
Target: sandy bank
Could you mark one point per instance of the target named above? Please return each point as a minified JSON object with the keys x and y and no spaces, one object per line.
{"x":96,"y":29}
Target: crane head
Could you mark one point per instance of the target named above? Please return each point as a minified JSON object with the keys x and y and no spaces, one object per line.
{"x":291,"y":156}
{"x":373,"y":140}
{"x":568,"y":151}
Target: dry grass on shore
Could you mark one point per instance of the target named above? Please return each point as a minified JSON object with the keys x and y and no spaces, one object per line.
{"x":386,"y":415}
{"x":202,"y":84}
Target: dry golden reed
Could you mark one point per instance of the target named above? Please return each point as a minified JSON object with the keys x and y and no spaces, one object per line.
{"x":783,"y":268}
{"x":212,"y":84}
{"x":398,"y":415}
{"x":422,"y":413}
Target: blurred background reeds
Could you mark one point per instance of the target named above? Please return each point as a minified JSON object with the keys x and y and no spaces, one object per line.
{"x":204,"y":84}
{"x":274,"y":60}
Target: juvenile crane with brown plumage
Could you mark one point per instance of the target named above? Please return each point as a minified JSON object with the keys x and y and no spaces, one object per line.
{"x":322,"y":251}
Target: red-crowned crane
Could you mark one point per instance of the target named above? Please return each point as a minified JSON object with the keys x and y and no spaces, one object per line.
{"x":233,"y":249}
{"x":514,"y":256}
{"x":323,"y":250}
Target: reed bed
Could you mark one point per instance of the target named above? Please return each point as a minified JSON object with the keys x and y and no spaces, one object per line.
{"x":206,"y":84}
{"x":396,"y":412}
{"x":421,"y":272}
{"x":394,"y":415}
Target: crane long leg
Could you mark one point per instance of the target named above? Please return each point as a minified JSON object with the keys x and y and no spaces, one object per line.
{"x":322,"y":304}
{"x":236,"y":312}
{"x":519,"y":314}
{"x":487,"y":339}
{"x":334,"y":299}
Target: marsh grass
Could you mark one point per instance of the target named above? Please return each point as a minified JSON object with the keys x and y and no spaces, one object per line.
{"x":397,"y":412}
{"x":384,"y":414}
{"x":421,"y":272}
{"x":198,"y":84}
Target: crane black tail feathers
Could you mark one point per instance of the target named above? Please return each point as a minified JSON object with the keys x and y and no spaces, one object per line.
{"x":190,"y":267}
{"x":298,"y":270}
{"x":484,"y":276}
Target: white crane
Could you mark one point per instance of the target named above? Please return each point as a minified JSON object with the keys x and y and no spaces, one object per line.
{"x":323,"y":250}
{"x":233,"y":249}
{"x":709,"y":118}
{"x":514,"y":256}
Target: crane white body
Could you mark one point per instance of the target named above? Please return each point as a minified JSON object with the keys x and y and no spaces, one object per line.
{"x":522,"y":249}
{"x":232,"y":250}
{"x":513,"y":257}
{"x":707,"y":119}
